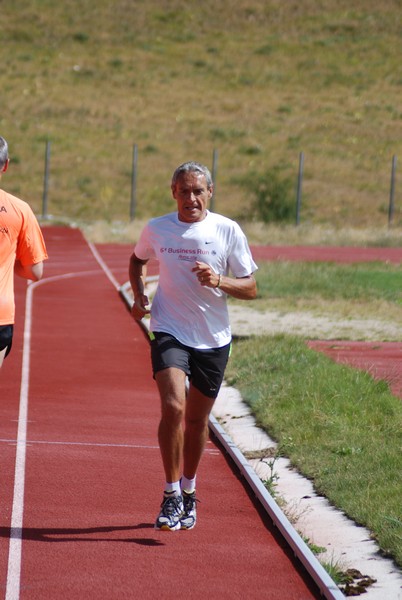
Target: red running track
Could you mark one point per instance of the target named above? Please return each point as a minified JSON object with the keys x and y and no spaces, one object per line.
{"x":338,"y":254}
{"x":91,"y":465}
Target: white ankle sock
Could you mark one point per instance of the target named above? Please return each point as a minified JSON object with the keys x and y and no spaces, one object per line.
{"x":173,"y":487}
{"x":188,"y":485}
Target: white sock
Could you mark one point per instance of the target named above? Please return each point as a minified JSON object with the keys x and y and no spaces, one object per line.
{"x":173,"y":487}
{"x":188,"y":485}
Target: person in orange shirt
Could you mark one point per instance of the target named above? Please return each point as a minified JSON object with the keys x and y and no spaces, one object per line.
{"x":22,"y":251}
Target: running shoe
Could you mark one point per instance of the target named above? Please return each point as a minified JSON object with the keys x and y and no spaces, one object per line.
{"x":189,"y":517}
{"x":171,"y":512}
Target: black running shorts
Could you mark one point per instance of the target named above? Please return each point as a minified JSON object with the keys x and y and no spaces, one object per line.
{"x":204,"y":368}
{"x":6,"y":337}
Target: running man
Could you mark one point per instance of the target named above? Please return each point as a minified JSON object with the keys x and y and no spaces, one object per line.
{"x":22,"y":251}
{"x":189,"y":328}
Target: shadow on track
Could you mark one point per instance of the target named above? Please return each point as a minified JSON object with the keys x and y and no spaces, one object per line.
{"x":79,"y":534}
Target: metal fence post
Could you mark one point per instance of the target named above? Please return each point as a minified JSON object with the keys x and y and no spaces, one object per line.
{"x":392,"y":192}
{"x":299,"y":187}
{"x":133,"y":201}
{"x":46,"y":181}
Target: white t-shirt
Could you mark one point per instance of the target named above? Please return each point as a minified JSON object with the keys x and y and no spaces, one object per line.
{"x":197,"y":316}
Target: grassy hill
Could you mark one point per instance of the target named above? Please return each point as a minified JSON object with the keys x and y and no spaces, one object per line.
{"x":258,"y":80}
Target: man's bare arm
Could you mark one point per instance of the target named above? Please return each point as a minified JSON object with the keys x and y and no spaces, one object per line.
{"x":242,"y":288}
{"x":33,"y":272}
{"x":137,"y":273}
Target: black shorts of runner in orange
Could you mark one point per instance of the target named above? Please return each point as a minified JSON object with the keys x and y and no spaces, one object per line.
{"x":6,"y":337}
{"x":204,"y":368}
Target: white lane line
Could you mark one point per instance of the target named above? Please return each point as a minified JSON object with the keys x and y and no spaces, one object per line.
{"x":14,"y":552}
{"x":15,"y":545}
{"x":95,"y":444}
{"x":103,"y":265}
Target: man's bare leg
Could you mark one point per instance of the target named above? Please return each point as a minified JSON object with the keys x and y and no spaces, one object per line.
{"x":2,"y":355}
{"x":197,"y":412}
{"x":171,"y":384}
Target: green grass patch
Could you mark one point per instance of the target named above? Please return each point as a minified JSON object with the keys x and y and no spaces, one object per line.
{"x":356,"y":291}
{"x":337,"y":425}
{"x":357,"y":282}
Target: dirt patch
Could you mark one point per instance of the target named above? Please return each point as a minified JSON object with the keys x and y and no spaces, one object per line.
{"x":246,"y":321}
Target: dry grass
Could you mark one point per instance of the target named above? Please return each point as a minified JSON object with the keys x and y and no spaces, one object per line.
{"x":259,"y":81}
{"x":321,"y":235}
{"x":258,"y":233}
